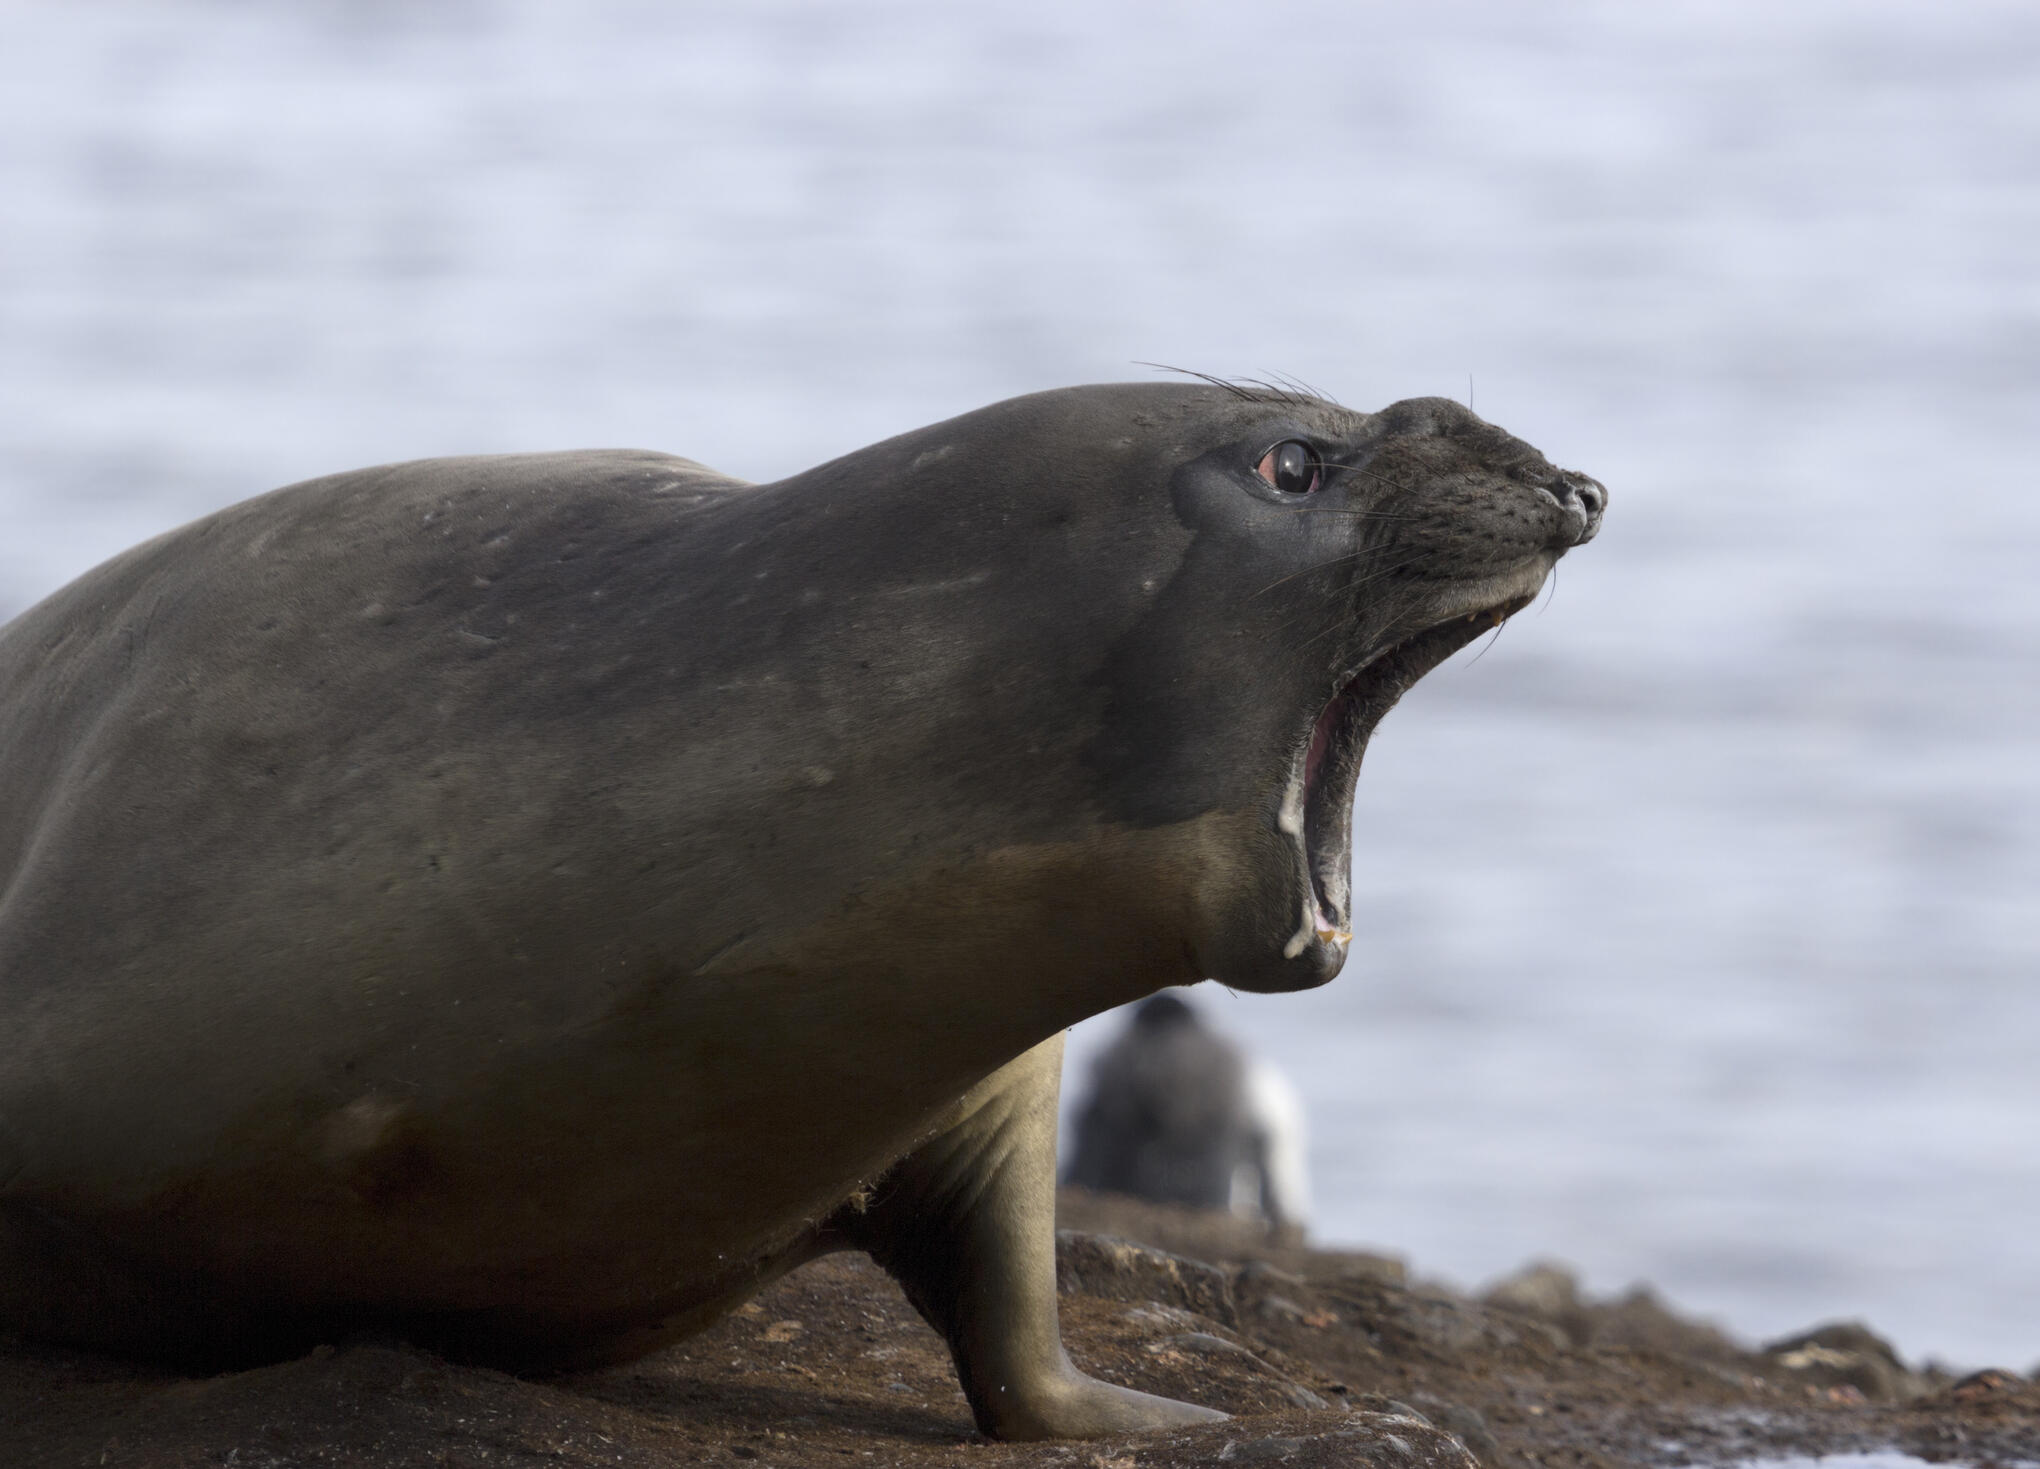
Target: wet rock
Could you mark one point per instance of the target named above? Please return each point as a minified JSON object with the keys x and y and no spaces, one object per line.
{"x":1394,"y":1440}
{"x":1266,"y":1294}
{"x":1640,"y":1319}
{"x":1207,"y":1234}
{"x":1277,"y":1309}
{"x":1258,"y":1278}
{"x":1389,"y":1407}
{"x":1217,"y":1370}
{"x":1433,"y":1322}
{"x":1549,"y":1292}
{"x":1154,"y":1316}
{"x":1362,"y":1265}
{"x":1260,"y":1450}
{"x":1541,"y":1288}
{"x":1464,"y":1424}
{"x":1205,"y":1344}
{"x":1845,"y":1354}
{"x":1116,"y":1269}
{"x":1217,"y":1351}
{"x":1846,"y":1336}
{"x":1988,"y":1383}
{"x":1362,"y":1440}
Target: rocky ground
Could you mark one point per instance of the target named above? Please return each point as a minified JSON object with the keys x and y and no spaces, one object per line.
{"x":1325,"y":1358}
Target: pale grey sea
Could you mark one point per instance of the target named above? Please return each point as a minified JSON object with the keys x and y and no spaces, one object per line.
{"x":1700,"y":914}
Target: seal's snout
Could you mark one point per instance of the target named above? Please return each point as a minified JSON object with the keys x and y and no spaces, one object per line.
{"x":1582,"y":499}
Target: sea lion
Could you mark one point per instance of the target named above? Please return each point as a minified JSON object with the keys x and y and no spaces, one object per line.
{"x":530,"y":902}
{"x":1179,"y":1114}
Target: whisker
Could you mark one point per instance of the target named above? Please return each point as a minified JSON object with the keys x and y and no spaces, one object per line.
{"x":1247,"y":389}
{"x":1307,"y":390}
{"x":1352,"y":513}
{"x":1217,"y":382}
{"x":1276,"y":392}
{"x":1403,"y":604}
{"x":1488,"y":644}
{"x":1399,"y":608}
{"x":1331,"y":627}
{"x":1550,"y":592}
{"x":1330,"y":562}
{"x":1373,"y":474}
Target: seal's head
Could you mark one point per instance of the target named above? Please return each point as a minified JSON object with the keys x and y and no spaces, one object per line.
{"x":1406,"y":534}
{"x":1315,"y":563}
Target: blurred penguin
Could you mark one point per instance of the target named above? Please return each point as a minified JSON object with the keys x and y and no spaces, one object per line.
{"x":1177,"y":1114}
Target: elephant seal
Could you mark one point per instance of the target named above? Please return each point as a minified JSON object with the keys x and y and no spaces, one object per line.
{"x":529,"y":902}
{"x":1180,"y":1115}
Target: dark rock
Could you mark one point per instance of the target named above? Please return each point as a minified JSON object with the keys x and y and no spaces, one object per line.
{"x":1259,"y":1278}
{"x":1464,"y":1424}
{"x":1395,"y":1442}
{"x":1362,"y":1441}
{"x":1217,"y":1351}
{"x":1434,"y":1322}
{"x":1362,"y":1265}
{"x":1640,"y":1319}
{"x":1264,"y":1293}
{"x":1551,"y":1294}
{"x":1542,"y":1289}
{"x":1260,"y":1450}
{"x":1846,"y":1336}
{"x":1116,"y":1269}
{"x":1990,"y":1382}
{"x":1846,"y":1354}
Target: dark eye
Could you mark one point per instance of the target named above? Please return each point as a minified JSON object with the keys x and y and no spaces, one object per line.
{"x":1292,"y":467}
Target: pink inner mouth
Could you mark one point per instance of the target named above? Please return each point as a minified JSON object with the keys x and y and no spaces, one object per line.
{"x":1321,"y":741}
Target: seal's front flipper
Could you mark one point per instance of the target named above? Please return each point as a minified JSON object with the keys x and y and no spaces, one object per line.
{"x":966,"y":1224}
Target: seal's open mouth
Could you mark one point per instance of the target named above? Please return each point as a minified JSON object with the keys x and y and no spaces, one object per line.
{"x":1331,"y":762}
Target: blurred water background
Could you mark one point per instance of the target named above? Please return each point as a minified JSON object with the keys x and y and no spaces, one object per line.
{"x":1698,"y":940}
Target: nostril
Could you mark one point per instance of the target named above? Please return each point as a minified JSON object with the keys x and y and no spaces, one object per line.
{"x":1581,"y":500}
{"x":1588,"y":494}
